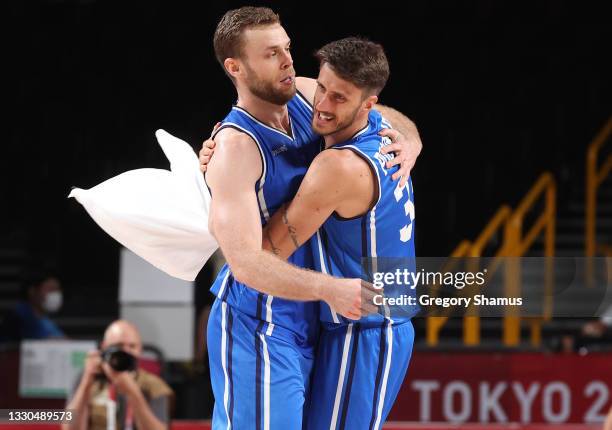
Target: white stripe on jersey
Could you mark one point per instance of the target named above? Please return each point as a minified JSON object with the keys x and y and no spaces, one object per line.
{"x":224,"y":358}
{"x":282,"y":133}
{"x":373,"y":254}
{"x":383,"y":389}
{"x":340,"y":387}
{"x":304,"y":101}
{"x":324,"y":270}
{"x":224,"y":283}
{"x":266,"y":382}
{"x":269,"y":315}
{"x":360,"y":132}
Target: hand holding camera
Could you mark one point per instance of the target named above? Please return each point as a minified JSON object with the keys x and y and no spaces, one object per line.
{"x":118,"y":359}
{"x":92,"y":366}
{"x":118,"y":366}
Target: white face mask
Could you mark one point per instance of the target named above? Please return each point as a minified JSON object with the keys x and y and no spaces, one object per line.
{"x":53,"y":301}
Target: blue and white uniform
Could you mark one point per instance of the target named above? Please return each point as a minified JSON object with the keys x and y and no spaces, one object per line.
{"x":360,"y":365}
{"x":261,"y":348}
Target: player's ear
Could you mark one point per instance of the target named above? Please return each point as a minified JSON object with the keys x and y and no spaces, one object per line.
{"x":232,"y":66}
{"x":370,"y":101}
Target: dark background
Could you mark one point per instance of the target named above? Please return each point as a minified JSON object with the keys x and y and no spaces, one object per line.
{"x":500,"y":90}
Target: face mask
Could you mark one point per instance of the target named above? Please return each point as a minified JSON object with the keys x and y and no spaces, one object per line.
{"x":52,"y":302}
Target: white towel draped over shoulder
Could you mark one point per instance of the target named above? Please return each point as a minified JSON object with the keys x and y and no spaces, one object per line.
{"x":161,"y":215}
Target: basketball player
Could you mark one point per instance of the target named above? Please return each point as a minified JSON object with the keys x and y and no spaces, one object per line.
{"x":350,"y":203}
{"x":261,"y":346}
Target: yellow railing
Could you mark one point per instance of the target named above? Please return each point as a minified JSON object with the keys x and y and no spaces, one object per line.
{"x":498,"y":221}
{"x":471,"y":323}
{"x":514,"y":244}
{"x":594,"y":177}
{"x":434,"y":324}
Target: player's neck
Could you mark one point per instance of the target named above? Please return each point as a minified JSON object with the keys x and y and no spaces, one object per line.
{"x":269,"y":113}
{"x":346,"y":133}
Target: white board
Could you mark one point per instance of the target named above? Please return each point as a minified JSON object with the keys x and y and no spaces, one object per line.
{"x":168,"y":327}
{"x":49,"y":368}
{"x":141,"y":282}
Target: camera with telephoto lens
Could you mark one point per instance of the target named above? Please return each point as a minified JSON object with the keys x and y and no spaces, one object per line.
{"x":118,"y":359}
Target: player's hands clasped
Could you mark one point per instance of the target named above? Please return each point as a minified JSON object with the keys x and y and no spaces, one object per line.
{"x":351,"y":298}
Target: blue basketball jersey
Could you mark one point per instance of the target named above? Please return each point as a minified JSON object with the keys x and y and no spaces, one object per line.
{"x":352,"y":248}
{"x":285,"y":159}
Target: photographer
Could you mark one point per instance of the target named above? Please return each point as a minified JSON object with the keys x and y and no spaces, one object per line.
{"x":113,"y":388}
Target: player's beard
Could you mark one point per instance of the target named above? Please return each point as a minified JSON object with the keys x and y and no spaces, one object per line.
{"x":342,"y":125}
{"x":265,"y":89}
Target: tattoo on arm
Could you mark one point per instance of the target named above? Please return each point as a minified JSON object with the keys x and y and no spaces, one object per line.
{"x":275,"y":250}
{"x":291,"y":229}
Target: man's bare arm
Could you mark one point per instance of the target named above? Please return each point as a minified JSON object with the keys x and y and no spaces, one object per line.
{"x":306,"y":86}
{"x":80,"y":400}
{"x":314,"y":202}
{"x":235,"y":222}
{"x":406,"y":154}
{"x":144,"y":416}
{"x":337,"y":180}
{"x":398,"y":120}
{"x":79,"y":405}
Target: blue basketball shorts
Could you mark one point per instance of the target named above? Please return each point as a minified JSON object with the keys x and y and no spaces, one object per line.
{"x":260,"y":381}
{"x":358,"y":372}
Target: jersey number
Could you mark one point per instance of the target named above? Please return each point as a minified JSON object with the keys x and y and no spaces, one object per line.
{"x":406,"y":231}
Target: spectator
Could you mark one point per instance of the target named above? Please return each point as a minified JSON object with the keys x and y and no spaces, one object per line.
{"x":135,"y":399}
{"x":597,"y":333}
{"x":41,"y":296}
{"x":601,"y":327}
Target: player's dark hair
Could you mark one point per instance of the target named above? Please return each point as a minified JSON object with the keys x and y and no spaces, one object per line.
{"x":357,"y":60}
{"x":228,"y":40}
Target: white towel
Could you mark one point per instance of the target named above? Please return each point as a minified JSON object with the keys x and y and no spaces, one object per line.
{"x":160,"y":215}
